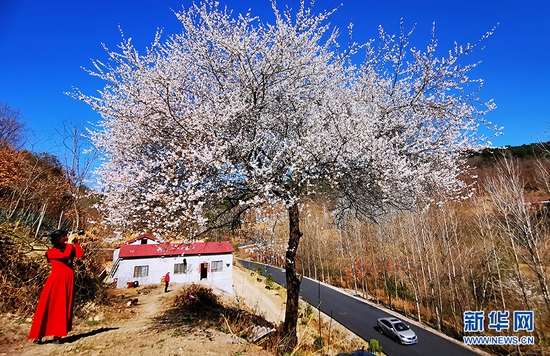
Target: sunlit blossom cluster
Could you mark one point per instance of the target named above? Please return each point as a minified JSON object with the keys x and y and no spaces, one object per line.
{"x":236,"y":113}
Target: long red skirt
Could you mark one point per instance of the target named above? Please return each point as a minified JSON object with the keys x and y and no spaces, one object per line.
{"x":54,"y":311}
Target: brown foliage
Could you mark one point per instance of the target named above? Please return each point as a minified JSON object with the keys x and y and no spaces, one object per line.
{"x":22,"y":274}
{"x":10,"y":166}
{"x":33,"y":185}
{"x":24,"y":269}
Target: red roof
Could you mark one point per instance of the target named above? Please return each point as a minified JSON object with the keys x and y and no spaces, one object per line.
{"x":168,"y":249}
{"x":140,"y":237}
{"x":143,"y":236}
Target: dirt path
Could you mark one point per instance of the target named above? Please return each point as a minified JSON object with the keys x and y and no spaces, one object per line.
{"x":131,"y":330}
{"x":268,"y":303}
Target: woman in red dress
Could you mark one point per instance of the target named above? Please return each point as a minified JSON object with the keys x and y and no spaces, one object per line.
{"x":54,"y":312}
{"x":166,"y":281}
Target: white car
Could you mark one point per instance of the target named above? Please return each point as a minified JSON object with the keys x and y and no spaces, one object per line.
{"x":397,"y":330}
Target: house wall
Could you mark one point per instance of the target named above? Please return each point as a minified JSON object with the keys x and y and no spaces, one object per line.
{"x":157,"y":268}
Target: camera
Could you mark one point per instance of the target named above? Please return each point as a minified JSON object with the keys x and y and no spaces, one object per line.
{"x":78,"y":232}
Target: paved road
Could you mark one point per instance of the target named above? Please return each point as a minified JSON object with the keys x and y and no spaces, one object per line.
{"x":360,"y":318}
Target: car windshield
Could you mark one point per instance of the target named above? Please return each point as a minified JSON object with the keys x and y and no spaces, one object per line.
{"x":400,"y":326}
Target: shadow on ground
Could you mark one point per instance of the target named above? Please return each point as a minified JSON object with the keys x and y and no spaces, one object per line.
{"x":73,"y":338}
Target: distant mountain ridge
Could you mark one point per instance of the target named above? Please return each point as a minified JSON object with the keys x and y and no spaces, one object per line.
{"x":530,"y":151}
{"x":532,"y":160}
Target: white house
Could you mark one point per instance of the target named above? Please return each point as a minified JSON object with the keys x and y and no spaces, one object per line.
{"x":146,"y":260}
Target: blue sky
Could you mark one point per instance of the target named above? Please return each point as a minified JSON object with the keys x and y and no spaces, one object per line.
{"x":43,"y":46}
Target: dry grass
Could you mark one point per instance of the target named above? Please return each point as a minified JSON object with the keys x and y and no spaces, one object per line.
{"x":197,"y":307}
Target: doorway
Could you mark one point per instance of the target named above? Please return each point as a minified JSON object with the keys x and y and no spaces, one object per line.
{"x":204,"y":270}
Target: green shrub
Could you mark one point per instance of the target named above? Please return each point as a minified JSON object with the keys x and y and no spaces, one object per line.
{"x":319,"y":343}
{"x":269,"y":281}
{"x":374,"y":346}
{"x":308,"y":311}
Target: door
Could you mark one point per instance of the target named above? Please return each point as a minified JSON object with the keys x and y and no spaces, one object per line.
{"x":204,"y":270}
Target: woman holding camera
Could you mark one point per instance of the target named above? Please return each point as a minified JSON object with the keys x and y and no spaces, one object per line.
{"x":54,"y":311}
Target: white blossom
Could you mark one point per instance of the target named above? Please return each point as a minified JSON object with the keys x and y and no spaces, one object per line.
{"x":235,"y":113}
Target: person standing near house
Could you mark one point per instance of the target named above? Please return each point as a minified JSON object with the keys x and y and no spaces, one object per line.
{"x":166,"y":281}
{"x":54,"y":312}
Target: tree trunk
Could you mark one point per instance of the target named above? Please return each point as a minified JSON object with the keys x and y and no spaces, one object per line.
{"x":320,"y":254}
{"x":342,"y":258}
{"x":412,"y":281}
{"x":293,"y":280}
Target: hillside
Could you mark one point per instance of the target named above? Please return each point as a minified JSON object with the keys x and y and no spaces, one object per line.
{"x":149,"y":327}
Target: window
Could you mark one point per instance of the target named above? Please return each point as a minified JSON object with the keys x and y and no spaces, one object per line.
{"x":180,"y":268}
{"x":141,"y":271}
{"x":216,"y":266}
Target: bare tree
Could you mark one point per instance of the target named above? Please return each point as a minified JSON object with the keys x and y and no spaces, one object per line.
{"x":410,"y":261}
{"x":78,"y":162}
{"x":12,"y":128}
{"x":526,"y":232}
